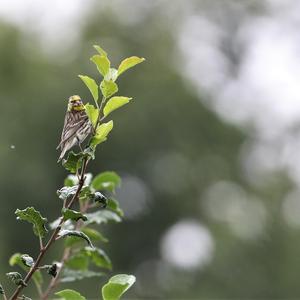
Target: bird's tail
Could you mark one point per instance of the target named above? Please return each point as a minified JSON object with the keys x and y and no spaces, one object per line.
{"x":62,"y":155}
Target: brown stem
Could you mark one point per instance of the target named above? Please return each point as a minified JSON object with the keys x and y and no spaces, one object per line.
{"x":44,"y":249}
{"x":80,"y":184}
{"x":36,"y":264}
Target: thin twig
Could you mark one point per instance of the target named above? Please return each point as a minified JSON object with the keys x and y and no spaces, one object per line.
{"x":101,"y":106}
{"x":4,"y":295}
{"x":41,"y":242}
{"x":99,"y":120}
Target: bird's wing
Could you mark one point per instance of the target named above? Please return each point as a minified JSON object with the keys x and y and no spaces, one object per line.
{"x":72,"y":123}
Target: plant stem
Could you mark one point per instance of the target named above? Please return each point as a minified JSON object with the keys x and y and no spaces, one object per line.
{"x":44,"y":249}
{"x":4,"y":295}
{"x":101,"y":105}
{"x":66,"y":254}
{"x":41,"y":242}
{"x":100,"y":110}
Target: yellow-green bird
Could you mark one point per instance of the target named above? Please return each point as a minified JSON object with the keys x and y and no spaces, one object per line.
{"x":77,"y":126}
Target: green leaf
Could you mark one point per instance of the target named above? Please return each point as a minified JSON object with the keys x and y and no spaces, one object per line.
{"x":69,"y":214}
{"x":128,"y":63}
{"x":117,"y":286}
{"x":65,"y":233}
{"x":72,"y":240}
{"x":73,"y":162}
{"x":33,"y":216}
{"x":27,"y":260}
{"x":37,"y":278}
{"x":70,"y":180}
{"x":99,"y":257}
{"x":73,"y":275}
{"x":70,"y":295}
{"x":108,"y":88}
{"x":16,"y":278}
{"x":100,"y":199}
{"x":107,"y":181}
{"x":113,"y":205}
{"x":15,"y":259}
{"x":102,"y":62}
{"x":85,"y":193}
{"x":111,"y":75}
{"x":94,"y":235}
{"x":92,"y":86}
{"x":93,"y":113}
{"x":102,"y":217}
{"x":115,"y":103}
{"x":67,"y":191}
{"x":100,"y":50}
{"x":89,"y":152}
{"x":79,"y":261}
{"x":101,"y":133}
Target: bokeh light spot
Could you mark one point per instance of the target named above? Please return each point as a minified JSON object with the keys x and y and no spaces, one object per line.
{"x":187,"y":245}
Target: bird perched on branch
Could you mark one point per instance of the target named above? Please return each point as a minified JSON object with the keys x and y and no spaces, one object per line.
{"x":77,"y":126}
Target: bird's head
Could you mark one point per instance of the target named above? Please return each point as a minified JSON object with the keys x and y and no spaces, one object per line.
{"x":75,"y":103}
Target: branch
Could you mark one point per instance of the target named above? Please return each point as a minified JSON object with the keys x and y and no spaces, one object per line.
{"x":66,"y":254}
{"x":44,"y":249}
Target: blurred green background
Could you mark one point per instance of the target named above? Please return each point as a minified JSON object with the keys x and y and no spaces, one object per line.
{"x":207,"y":150}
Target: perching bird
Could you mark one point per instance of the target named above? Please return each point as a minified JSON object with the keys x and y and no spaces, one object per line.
{"x":77,"y":126}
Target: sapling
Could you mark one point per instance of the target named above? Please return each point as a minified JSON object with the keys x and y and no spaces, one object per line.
{"x":87,"y":201}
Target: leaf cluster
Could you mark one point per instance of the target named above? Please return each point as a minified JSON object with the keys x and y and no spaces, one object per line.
{"x":105,"y":102}
{"x":78,"y":228}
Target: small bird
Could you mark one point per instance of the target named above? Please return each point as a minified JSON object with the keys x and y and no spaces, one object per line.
{"x":77,"y":126}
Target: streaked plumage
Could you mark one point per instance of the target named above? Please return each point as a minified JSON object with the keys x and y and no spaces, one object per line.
{"x":76,"y":126}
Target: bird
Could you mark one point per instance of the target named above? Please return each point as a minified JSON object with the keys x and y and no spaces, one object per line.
{"x":77,"y":126}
